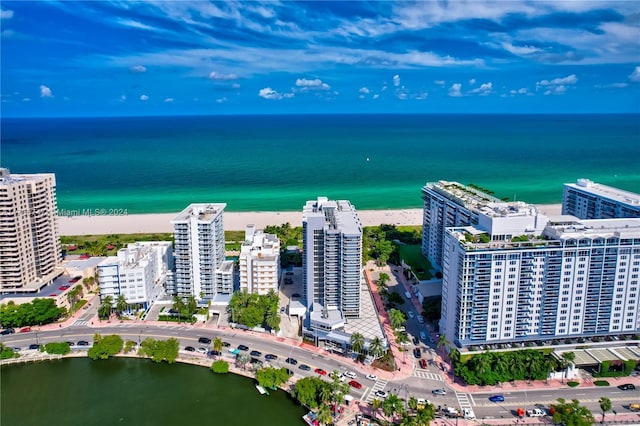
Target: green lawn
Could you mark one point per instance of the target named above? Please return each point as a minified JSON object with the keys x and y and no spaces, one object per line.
{"x":412,"y":256}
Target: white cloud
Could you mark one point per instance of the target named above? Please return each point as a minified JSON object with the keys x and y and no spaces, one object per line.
{"x":454,"y":90}
{"x":135,"y":24}
{"x":312,"y":84}
{"x":364,"y":90}
{"x":45,"y":92}
{"x":421,"y":96}
{"x":26,"y":99}
{"x":440,"y":82}
{"x":235,"y":86}
{"x":472,"y":81}
{"x":483,"y":90}
{"x":402,"y":96}
{"x":6,"y":14}
{"x":521,"y":91}
{"x":123,"y":98}
{"x":376,"y":96}
{"x":396,"y":80}
{"x":220,"y":76}
{"x":611,"y":86}
{"x":361,"y":96}
{"x":221,"y":100}
{"x":168,"y":100}
{"x":138,"y":69}
{"x":144,"y":98}
{"x":519,"y":50}
{"x":555,"y":90}
{"x":570,"y":79}
{"x":269,"y":93}
{"x":635,"y":75}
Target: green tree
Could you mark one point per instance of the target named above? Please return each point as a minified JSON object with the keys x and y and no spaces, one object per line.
{"x":273,"y":320}
{"x":413,"y":403}
{"x":376,"y":348}
{"x":6,"y":352}
{"x":308,"y":391}
{"x":392,"y":405}
{"x":605,"y":405}
{"x":59,"y":348}
{"x":375,"y":406}
{"x":443,"y":343}
{"x":220,"y":367}
{"x":397,"y":318}
{"x":571,"y":413}
{"x":383,"y":279}
{"x":324,"y":415}
{"x":357,"y":342}
{"x":425,"y":415}
{"x":105,"y":308}
{"x":160,"y":350}
{"x":39,"y":311}
{"x":217,"y":344}
{"x":121,"y":305}
{"x":191,"y":306}
{"x":242,"y":359}
{"x":271,"y":377}
{"x":104,"y":347}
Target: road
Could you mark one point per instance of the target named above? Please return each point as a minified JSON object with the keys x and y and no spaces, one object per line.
{"x":419,"y":385}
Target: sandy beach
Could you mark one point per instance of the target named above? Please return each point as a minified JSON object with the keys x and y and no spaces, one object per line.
{"x":233,"y":221}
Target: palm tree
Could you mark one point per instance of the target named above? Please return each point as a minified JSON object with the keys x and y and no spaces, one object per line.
{"x":325,"y":394}
{"x":375,"y":406}
{"x":567,"y":361}
{"x":217,"y":344}
{"x":243,"y":359}
{"x":105,"y":307}
{"x":357,"y":342}
{"x":121,"y":304}
{"x":397,"y":318}
{"x":443,"y":343}
{"x":407,"y":420}
{"x":376,"y":348}
{"x":383,"y":279}
{"x":605,"y":405}
{"x":324,"y":414}
{"x":413,"y":403}
{"x":273,"y":320}
{"x":425,"y":416}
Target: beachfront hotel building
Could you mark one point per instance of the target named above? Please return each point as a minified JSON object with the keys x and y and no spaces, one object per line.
{"x":259,"y":261}
{"x":586,"y":199}
{"x":332,"y":260}
{"x":30,"y":254}
{"x":448,"y":204}
{"x":200,"y":266}
{"x":139,"y":272}
{"x":578,"y":278}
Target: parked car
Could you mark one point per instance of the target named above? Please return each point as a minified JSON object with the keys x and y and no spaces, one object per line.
{"x":204,"y":340}
{"x":423,"y":364}
{"x":202,"y":350}
{"x":350,"y":374}
{"x":372,"y":377}
{"x":34,"y":346}
{"x":243,"y":348}
{"x":439,"y":392}
{"x":255,"y":353}
{"x":291,"y":361}
{"x":496,"y":398}
{"x":190,"y":349}
{"x":270,"y":357}
{"x":7,"y":331}
{"x":627,"y":386}
{"x":213,"y":353}
{"x":320,"y":371}
{"x":226,"y":344}
{"x":304,"y":367}
{"x":536,"y":412}
{"x":381,"y":394}
{"x":417,"y":353}
{"x":83,"y":343}
{"x":355,"y":384}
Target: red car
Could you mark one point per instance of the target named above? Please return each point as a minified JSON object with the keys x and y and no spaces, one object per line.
{"x":320,"y":371}
{"x":423,"y":364}
{"x":63,"y":287}
{"x":355,"y":384}
{"x":25,"y":330}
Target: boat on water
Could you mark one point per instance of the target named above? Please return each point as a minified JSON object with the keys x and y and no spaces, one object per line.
{"x":311,"y":419}
{"x":262,"y":390}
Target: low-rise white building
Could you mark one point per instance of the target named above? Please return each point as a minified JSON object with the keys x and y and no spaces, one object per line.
{"x":138,"y":272}
{"x":259,"y":262}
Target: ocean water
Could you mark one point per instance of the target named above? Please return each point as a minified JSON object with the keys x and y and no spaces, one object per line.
{"x":267,"y":163}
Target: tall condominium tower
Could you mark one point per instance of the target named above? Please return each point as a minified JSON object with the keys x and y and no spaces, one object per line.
{"x":29,"y":241}
{"x":201,"y":269}
{"x":589,"y":200}
{"x":579,"y":278}
{"x":448,"y":204}
{"x":259,"y":261}
{"x":332,"y":258}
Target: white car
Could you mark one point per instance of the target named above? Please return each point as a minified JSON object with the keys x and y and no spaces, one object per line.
{"x":381,"y":394}
{"x":372,"y":377}
{"x":350,"y":374}
{"x":411,"y":315}
{"x":536,"y":412}
{"x":202,"y":350}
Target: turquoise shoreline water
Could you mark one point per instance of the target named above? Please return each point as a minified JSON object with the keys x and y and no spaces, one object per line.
{"x":276,"y":163}
{"x":127,"y":391}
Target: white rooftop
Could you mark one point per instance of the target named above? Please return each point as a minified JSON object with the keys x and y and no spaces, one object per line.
{"x":594,"y":228}
{"x":339,"y":215}
{"x":203,"y":212}
{"x":615,"y":194}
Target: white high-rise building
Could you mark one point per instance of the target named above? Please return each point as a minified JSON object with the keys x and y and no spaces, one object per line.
{"x":448,"y":204}
{"x":589,"y":200}
{"x":259,"y":262}
{"x":30,"y":253}
{"x":332,"y":258}
{"x":580,"y":278}
{"x":200,"y":266}
{"x":139,"y":272}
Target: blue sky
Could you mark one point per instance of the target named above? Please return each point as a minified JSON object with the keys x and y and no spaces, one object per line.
{"x":236,"y":57}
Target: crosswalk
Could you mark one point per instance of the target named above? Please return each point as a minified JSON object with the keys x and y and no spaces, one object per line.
{"x":465,"y":400}
{"x":424,"y":374}
{"x":80,"y":322}
{"x":370,"y":396}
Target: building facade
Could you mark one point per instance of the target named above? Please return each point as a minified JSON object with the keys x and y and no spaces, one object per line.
{"x":332,"y":258}
{"x":200,"y":266}
{"x":579,"y":278}
{"x":30,"y":253}
{"x":139,"y":272}
{"x":589,"y":200}
{"x":259,"y":262}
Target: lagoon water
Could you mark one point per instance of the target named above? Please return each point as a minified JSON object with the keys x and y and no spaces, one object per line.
{"x":127,"y":391}
{"x":276,"y":163}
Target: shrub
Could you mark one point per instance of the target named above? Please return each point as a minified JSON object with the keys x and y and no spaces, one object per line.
{"x":60,"y":348}
{"x":572,"y":384}
{"x":104,"y":347}
{"x":601,"y":383}
{"x":220,"y":367}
